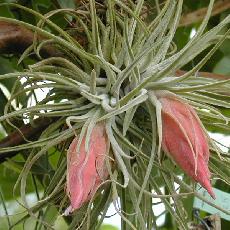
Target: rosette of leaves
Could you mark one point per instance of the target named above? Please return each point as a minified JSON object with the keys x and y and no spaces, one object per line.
{"x":108,"y":78}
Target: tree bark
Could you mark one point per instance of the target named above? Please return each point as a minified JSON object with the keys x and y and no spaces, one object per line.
{"x":15,"y":39}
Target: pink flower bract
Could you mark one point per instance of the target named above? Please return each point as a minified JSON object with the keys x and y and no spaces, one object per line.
{"x":184,"y":139}
{"x":86,"y":170}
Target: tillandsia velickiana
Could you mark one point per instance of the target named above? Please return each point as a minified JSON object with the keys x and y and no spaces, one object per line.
{"x":124,"y":123}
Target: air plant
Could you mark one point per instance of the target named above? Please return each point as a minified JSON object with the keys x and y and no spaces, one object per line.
{"x":115,"y":79}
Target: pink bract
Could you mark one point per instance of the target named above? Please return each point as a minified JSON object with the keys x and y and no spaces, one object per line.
{"x":183,"y":139}
{"x":86,"y":170}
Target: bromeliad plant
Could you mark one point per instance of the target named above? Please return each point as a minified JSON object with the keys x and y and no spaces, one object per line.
{"x":124,"y":107}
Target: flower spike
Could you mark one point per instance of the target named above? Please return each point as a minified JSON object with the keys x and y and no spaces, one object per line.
{"x":86,"y":170}
{"x":184,"y":139}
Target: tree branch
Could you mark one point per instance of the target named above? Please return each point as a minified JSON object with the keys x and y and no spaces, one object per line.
{"x":198,"y":15}
{"x":205,"y":74}
{"x":29,"y":131}
{"x":14,"y":39}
